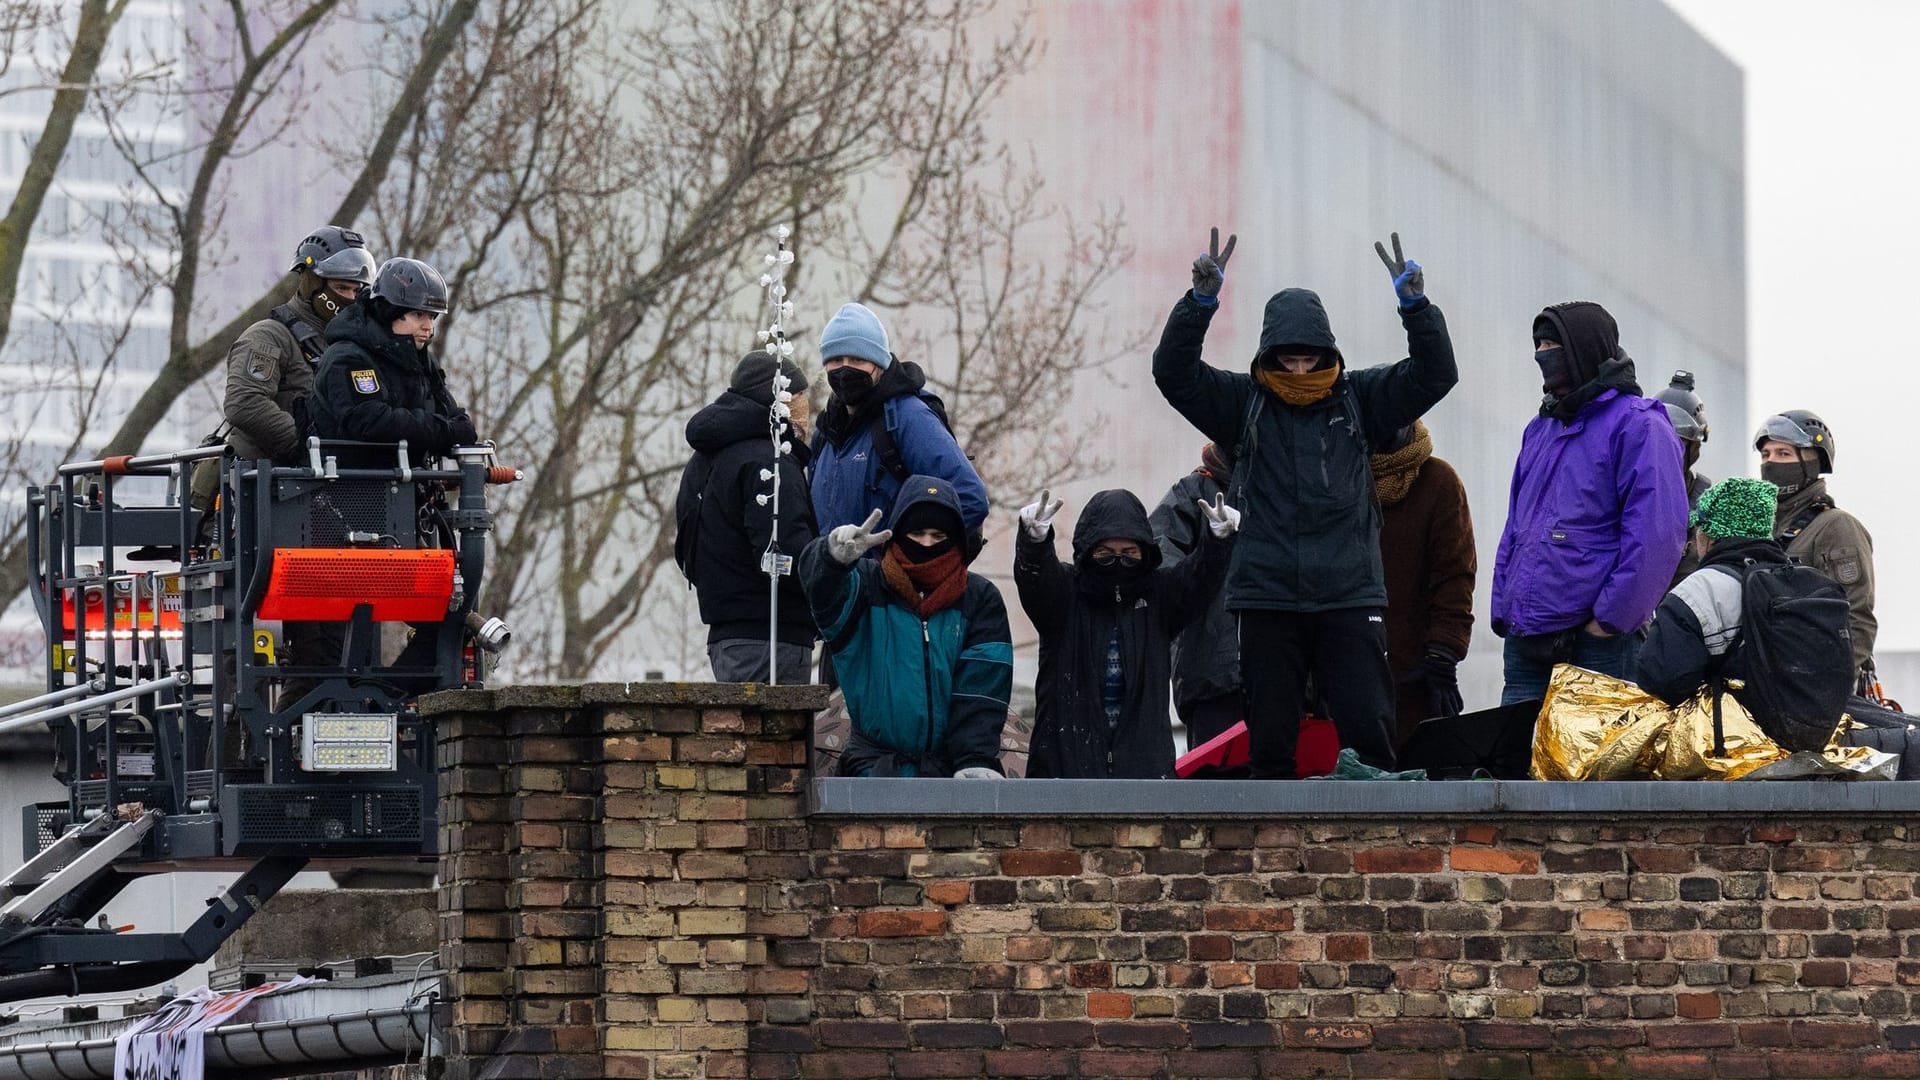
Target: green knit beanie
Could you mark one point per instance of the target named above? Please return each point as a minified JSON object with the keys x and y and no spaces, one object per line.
{"x":1737,"y":507}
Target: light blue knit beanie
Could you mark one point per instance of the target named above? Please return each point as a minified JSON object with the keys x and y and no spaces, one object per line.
{"x":855,"y":331}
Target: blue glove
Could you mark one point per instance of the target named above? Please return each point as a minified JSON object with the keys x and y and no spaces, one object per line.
{"x":1210,"y":270}
{"x":1409,"y":282}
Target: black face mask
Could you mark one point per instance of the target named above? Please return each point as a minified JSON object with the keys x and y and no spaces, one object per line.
{"x":915,"y":552}
{"x":1556,"y":371}
{"x":851,"y":385}
{"x":1116,"y":570}
{"x":1788,"y":476}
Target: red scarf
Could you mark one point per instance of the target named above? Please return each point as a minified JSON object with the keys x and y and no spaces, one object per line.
{"x":927,"y":587}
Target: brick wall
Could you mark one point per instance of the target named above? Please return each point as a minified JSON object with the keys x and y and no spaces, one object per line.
{"x":610,"y":869}
{"x":1296,"y":948}
{"x":631,"y":887}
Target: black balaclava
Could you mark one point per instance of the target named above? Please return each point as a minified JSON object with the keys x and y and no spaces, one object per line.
{"x":926,"y":515}
{"x":1557,"y":375}
{"x":851,"y":385}
{"x":1119,"y":571}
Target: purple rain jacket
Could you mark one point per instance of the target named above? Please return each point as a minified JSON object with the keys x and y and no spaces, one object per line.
{"x":1597,"y":514}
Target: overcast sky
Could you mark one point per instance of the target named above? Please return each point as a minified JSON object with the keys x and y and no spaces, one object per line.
{"x":1833,"y":252}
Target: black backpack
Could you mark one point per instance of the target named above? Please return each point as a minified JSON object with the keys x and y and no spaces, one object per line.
{"x":1793,"y":652}
{"x":686,"y":512}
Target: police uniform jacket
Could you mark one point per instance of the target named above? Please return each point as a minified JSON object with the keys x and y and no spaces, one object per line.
{"x":375,"y":386}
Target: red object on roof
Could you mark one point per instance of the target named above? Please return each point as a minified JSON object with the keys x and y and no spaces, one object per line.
{"x":1318,"y":749}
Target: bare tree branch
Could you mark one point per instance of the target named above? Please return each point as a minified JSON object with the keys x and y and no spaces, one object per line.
{"x":97,"y":19}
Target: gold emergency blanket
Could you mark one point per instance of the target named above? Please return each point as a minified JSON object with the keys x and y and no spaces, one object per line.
{"x":1597,"y":727}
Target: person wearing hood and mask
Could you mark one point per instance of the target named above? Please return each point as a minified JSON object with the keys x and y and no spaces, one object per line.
{"x":732,"y":445}
{"x":270,"y":365}
{"x":1305,"y":577}
{"x":1796,"y":452}
{"x":1206,"y":655}
{"x":921,"y":646}
{"x":1426,"y":543}
{"x":878,"y":429}
{"x":1689,"y":416}
{"x":1597,"y":513}
{"x":1106,"y":626}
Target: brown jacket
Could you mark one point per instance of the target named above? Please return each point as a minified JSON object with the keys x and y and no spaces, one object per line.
{"x":1426,"y":548}
{"x":1837,"y":545}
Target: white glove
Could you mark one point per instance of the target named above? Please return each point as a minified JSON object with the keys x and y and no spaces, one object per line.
{"x":1036,"y":518}
{"x":848,"y":542}
{"x":976,"y":772}
{"x":1224,"y":520}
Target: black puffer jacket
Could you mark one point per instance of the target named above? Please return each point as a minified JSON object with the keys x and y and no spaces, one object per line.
{"x":1206,"y":655}
{"x":375,"y":386}
{"x":731,"y":446}
{"x":1076,"y":610}
{"x":1310,"y":531}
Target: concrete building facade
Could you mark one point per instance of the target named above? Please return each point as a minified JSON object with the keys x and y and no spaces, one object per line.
{"x":1527,"y":153}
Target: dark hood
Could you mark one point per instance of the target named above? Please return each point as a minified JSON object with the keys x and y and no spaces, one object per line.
{"x":1115,"y":514}
{"x":898,"y":379}
{"x":1586,"y":331}
{"x":734,"y":418}
{"x":356,"y":326}
{"x":1295,"y":317}
{"x":1592,"y":341}
{"x":920,"y":489}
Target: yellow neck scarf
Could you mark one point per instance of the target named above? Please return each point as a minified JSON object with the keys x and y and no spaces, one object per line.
{"x":1299,"y":389}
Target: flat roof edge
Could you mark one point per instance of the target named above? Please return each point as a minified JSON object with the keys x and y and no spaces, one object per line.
{"x":1134,"y":799}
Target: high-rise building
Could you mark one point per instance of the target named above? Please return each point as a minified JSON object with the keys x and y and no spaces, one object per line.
{"x":90,"y":287}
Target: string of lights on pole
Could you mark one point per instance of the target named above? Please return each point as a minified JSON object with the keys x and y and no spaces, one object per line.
{"x":775,"y":563}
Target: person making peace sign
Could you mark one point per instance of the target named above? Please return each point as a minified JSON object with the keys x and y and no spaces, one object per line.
{"x":1305,"y":577}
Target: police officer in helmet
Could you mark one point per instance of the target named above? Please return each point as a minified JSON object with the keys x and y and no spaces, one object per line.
{"x":270,"y":365}
{"x":1796,"y":452}
{"x":377,"y":381}
{"x":1689,"y":416}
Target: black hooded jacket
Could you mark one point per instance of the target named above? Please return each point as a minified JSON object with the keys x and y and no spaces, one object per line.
{"x":1076,"y":609}
{"x":1206,"y":655}
{"x":731,"y":446}
{"x":1310,"y":532}
{"x":1592,"y":340}
{"x":373,"y":385}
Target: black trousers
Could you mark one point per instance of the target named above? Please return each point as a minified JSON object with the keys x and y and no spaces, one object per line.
{"x":1344,"y":653}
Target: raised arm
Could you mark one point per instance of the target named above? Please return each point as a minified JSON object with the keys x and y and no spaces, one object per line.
{"x":1397,"y":395}
{"x":1188,"y":586}
{"x":1045,"y":584}
{"x":1211,"y":400}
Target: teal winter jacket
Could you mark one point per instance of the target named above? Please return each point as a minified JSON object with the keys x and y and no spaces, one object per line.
{"x":926,"y":698}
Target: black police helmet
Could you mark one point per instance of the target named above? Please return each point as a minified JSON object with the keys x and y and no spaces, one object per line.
{"x":1684,"y":408}
{"x":322,"y":242}
{"x":411,"y":285}
{"x":1801,"y":428}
